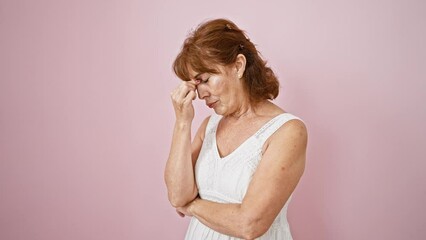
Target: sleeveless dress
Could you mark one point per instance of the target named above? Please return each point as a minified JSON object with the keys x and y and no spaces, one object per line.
{"x":225,"y":180}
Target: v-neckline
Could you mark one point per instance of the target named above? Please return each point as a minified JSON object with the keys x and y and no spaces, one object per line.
{"x":244,"y":142}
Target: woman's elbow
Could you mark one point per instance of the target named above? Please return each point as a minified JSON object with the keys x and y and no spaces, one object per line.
{"x":254,"y":228}
{"x":178,"y":202}
{"x":181,"y":200}
{"x":252,"y":234}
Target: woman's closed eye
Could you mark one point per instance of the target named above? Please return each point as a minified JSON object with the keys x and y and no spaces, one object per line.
{"x":204,"y":81}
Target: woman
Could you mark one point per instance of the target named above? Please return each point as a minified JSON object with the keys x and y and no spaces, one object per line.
{"x":236,"y":177}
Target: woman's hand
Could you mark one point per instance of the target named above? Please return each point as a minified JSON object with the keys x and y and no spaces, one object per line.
{"x":182,"y":98}
{"x":187,"y":209}
{"x":180,"y":214}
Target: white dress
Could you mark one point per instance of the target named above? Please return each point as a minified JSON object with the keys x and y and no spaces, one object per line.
{"x":226,"y":179}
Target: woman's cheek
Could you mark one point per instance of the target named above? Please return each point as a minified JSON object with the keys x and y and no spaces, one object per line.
{"x":216,"y":85}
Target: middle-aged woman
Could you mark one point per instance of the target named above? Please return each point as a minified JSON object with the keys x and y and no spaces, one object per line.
{"x":236,"y":177}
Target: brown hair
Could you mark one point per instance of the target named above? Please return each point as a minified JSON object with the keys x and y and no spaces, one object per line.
{"x":218,"y":42}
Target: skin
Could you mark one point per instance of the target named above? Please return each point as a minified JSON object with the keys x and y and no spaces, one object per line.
{"x":279,"y":171}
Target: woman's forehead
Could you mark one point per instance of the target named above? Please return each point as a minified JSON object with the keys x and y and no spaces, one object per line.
{"x":194,"y":74}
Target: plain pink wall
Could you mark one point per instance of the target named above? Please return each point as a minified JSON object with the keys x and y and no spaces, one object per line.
{"x":86,"y":119}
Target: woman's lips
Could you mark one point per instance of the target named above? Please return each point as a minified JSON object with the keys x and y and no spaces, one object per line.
{"x":211,"y":105}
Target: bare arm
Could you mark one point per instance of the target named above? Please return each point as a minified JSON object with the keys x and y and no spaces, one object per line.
{"x":276,"y":177}
{"x":179,"y":171}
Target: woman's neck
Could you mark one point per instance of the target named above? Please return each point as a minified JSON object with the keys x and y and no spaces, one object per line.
{"x":246,"y":110}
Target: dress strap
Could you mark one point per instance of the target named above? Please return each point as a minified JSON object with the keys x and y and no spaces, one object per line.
{"x":272,"y":126}
{"x":213,"y":121}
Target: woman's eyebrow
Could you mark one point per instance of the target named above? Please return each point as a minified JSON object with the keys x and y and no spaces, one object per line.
{"x":196,"y":76}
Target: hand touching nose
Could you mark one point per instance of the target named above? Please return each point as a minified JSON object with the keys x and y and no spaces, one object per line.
{"x":182,"y":97}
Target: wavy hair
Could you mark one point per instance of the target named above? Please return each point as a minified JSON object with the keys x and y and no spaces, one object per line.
{"x":218,"y":42}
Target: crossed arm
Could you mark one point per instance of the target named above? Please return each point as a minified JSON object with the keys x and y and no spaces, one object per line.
{"x":179,"y":172}
{"x":276,"y":177}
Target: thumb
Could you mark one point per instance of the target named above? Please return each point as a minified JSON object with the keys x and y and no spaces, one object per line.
{"x":195,"y":95}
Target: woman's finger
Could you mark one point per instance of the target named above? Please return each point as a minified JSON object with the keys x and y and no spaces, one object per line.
{"x":180,"y":214}
{"x":184,"y":89}
{"x":190,"y":97}
{"x":179,"y":94}
{"x":195,"y":81}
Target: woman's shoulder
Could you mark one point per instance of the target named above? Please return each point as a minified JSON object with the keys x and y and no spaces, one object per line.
{"x":270,"y":110}
{"x":292,"y":127}
{"x":207,"y":124}
{"x":287,"y":124}
{"x":273,"y":110}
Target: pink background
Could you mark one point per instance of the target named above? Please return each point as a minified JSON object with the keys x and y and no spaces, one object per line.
{"x":86,"y":119}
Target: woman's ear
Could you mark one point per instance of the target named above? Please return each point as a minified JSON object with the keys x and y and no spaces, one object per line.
{"x":240,"y":64}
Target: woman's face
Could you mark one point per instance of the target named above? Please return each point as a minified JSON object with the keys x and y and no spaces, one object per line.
{"x":223,"y":91}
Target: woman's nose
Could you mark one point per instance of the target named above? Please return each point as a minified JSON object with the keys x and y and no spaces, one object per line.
{"x":202,"y":91}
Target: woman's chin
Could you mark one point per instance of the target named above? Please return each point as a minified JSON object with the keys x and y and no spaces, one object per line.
{"x":218,"y":111}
